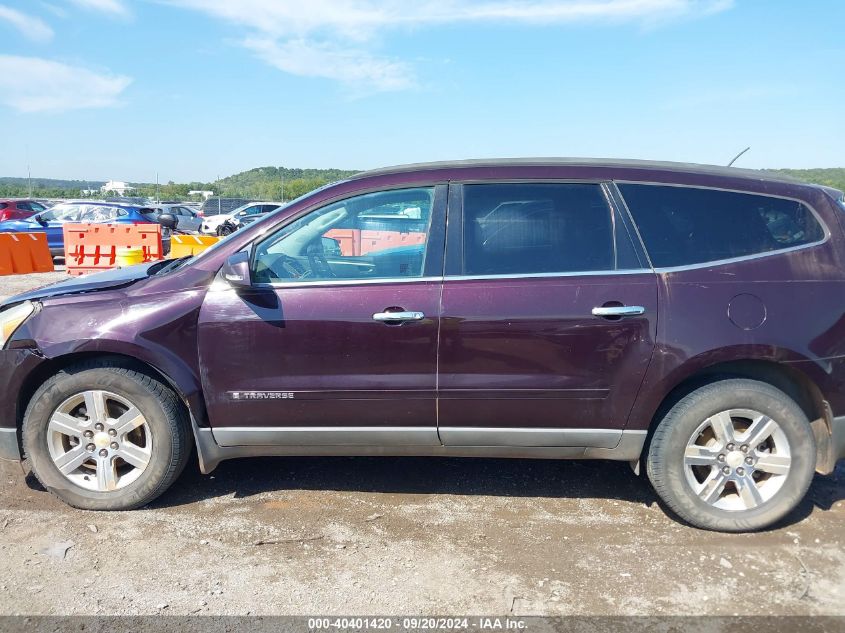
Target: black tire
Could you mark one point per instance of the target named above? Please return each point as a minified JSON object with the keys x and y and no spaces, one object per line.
{"x":665,"y":461}
{"x":165,"y":417}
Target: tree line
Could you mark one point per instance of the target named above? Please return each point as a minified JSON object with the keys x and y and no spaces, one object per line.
{"x":277,"y":184}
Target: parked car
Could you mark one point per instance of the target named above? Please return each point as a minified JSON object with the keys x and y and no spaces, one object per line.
{"x":19,"y":209}
{"x":211,"y":224}
{"x":220,"y":206}
{"x":686,"y":319}
{"x":52,"y":220}
{"x":189,"y":220}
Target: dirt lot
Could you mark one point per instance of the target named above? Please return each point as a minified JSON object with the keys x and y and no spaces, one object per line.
{"x":403,"y":536}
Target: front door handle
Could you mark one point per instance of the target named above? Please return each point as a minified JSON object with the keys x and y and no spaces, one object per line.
{"x":398,"y":317}
{"x":618,"y":311}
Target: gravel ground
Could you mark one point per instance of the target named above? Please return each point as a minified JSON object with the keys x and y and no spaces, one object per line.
{"x":410,"y":536}
{"x":14,"y":284}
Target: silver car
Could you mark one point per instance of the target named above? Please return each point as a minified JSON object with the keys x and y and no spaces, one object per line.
{"x":187,"y":219}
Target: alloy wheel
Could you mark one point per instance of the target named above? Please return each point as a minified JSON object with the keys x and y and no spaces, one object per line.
{"x":99,"y":441}
{"x":737,"y":460}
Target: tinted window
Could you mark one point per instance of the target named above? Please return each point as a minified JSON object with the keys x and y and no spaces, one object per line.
{"x":3,"y":205}
{"x":537,"y":228}
{"x":337,"y":241}
{"x":684,"y":225}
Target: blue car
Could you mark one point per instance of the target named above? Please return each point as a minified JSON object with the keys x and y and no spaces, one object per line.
{"x":87,"y":211}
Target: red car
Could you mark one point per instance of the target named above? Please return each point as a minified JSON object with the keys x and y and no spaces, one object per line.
{"x":19,"y":209}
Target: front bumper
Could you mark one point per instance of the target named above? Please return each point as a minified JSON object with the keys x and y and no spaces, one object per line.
{"x":9,"y":447}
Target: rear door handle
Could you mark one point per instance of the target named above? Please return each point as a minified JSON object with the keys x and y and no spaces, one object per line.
{"x":618,"y":311}
{"x":398,"y":317}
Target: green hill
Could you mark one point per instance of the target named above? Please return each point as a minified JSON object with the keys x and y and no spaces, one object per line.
{"x":265,"y":183}
{"x":831,"y":177}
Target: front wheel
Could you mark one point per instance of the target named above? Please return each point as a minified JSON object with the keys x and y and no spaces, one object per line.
{"x":735,"y":455}
{"x":103,"y":436}
{"x":225,"y":229}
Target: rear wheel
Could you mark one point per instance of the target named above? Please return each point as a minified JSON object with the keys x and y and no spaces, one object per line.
{"x":735,"y":455}
{"x":103,"y":436}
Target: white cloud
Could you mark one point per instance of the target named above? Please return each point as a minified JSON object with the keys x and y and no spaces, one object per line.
{"x":113,"y":7}
{"x":32,"y":84}
{"x":320,"y":59}
{"x":30,"y":26}
{"x":328,"y":38}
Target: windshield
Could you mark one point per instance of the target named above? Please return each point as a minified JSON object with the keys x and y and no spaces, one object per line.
{"x":62,"y":213}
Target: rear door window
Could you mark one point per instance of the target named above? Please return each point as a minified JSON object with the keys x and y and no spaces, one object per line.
{"x":98,"y":213}
{"x":681,"y":226}
{"x":539,"y":228}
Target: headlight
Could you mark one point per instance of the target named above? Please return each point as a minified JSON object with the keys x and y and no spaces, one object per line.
{"x":13,"y":318}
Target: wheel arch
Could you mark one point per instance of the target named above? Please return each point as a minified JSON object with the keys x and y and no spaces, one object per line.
{"x":794,"y":382}
{"x":193,"y":403}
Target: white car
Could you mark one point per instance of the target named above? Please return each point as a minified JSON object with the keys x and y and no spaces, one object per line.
{"x":210,"y":224}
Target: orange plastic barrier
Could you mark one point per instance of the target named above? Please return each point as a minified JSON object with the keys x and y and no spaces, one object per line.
{"x":356,"y":242}
{"x":22,"y":253}
{"x":184,"y":245}
{"x":93,"y":247}
{"x":372,"y":241}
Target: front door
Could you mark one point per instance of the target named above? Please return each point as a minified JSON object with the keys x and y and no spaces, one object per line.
{"x":336,"y":342}
{"x":548,"y":317}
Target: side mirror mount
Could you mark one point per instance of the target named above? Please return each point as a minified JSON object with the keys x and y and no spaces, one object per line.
{"x":236,"y":271}
{"x":168,"y":220}
{"x":37,"y":217}
{"x":331,"y":247}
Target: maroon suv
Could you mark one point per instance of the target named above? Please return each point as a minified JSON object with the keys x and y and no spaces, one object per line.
{"x":689,"y":320}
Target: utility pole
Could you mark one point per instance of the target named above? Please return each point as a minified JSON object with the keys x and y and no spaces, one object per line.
{"x":282,"y":178}
{"x":29,"y":176}
{"x":158,"y":195}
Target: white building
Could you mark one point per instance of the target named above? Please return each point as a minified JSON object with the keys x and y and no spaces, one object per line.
{"x":116,"y":186}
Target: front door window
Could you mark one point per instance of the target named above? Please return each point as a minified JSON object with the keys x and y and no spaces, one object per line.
{"x":380,"y":235}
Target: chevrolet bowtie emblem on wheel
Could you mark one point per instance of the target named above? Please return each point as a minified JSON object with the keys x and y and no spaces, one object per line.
{"x":261,"y":395}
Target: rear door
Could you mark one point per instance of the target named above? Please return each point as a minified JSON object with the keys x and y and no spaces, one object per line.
{"x":548,"y":317}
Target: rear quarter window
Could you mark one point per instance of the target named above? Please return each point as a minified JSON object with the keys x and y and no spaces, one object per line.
{"x":681,"y":226}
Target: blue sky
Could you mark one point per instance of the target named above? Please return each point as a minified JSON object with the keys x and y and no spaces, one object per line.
{"x":193,"y":89}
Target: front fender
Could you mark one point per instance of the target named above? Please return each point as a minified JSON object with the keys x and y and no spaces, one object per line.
{"x":158,"y":329}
